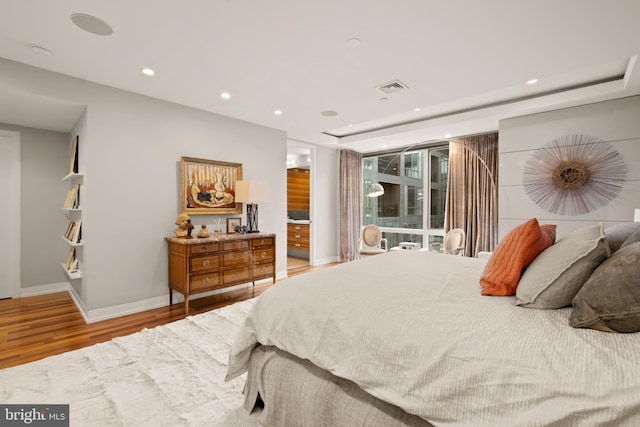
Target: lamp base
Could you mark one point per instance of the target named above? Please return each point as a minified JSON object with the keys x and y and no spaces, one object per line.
{"x":252,"y":218}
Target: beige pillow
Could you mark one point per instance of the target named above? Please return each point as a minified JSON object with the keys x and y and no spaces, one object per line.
{"x":610,"y":300}
{"x":558,"y":273}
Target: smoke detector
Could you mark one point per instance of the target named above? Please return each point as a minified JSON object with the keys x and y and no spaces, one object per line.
{"x":392,"y":87}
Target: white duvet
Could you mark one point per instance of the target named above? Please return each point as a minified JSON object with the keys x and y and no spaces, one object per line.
{"x":411,"y":328}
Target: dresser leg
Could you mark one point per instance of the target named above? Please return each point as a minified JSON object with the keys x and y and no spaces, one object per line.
{"x":186,"y":304}
{"x":170,"y":297}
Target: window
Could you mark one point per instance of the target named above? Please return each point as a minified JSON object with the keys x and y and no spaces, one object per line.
{"x":400,"y":210}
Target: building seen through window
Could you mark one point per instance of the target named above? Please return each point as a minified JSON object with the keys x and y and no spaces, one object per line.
{"x":415,"y":192}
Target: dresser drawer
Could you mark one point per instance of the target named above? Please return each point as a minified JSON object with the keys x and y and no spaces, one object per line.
{"x":241,"y":244}
{"x":205,"y":248}
{"x":236,"y":274}
{"x":302,"y":229}
{"x":300,"y":245}
{"x":263,"y":270}
{"x":262,"y":254}
{"x":235,"y":258}
{"x":264,"y":241}
{"x":202,"y":263}
{"x":204,"y":281}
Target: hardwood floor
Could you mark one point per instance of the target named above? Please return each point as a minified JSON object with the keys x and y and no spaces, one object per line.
{"x":36,"y":327}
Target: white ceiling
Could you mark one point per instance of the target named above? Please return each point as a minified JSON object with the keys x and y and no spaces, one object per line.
{"x":465,"y":62}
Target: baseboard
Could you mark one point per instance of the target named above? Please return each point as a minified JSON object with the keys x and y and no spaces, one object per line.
{"x":49,"y":288}
{"x":324,"y":261}
{"x":105,"y":313}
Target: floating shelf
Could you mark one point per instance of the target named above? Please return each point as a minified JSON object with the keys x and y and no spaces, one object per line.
{"x":74,"y":244}
{"x":73,"y":177}
{"x":72,"y":276}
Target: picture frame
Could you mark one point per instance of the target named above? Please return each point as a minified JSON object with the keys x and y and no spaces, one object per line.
{"x":232,"y":223}
{"x":207,"y":187}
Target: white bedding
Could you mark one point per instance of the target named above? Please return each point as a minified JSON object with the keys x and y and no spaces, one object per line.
{"x":411,"y":328}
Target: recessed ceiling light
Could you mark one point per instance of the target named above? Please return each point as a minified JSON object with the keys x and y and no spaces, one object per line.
{"x":225,"y":95}
{"x":416,"y":109}
{"x":532,"y":81}
{"x":40,"y":50}
{"x":329,"y":113}
{"x":91,"y":24}
{"x":448,"y":135}
{"x":148,"y":72}
{"x":278,"y":112}
{"x":353,"y":42}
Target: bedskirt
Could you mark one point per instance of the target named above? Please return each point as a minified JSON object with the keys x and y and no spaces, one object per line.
{"x":294,"y":392}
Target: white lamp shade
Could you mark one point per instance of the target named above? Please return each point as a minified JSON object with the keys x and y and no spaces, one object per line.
{"x":375,"y":190}
{"x":249,"y":191}
{"x":636,"y":215}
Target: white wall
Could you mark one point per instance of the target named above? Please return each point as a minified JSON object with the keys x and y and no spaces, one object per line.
{"x":326,"y":213}
{"x":130,"y":147}
{"x":616,"y":122}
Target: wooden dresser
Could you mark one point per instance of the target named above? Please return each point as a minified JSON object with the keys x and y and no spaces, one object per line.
{"x":298,"y":237}
{"x":203,"y":265}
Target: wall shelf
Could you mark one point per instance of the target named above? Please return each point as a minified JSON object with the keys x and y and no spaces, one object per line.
{"x":71,"y":275}
{"x":72,"y":177}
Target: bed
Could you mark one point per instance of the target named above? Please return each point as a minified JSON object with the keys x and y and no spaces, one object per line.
{"x":406,"y":338}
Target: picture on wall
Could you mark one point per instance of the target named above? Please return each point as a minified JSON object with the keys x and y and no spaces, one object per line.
{"x":208,"y":186}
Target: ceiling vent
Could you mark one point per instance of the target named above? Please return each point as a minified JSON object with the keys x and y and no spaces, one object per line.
{"x":392,"y":87}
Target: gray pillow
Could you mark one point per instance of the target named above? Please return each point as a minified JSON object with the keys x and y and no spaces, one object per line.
{"x":610,"y":300}
{"x":634,"y":238}
{"x":617,"y":234}
{"x":558,"y":273}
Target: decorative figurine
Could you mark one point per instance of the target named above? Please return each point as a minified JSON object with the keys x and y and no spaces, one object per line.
{"x":190,"y":228}
{"x":217,"y":230}
{"x":183,"y":222}
{"x":203,"y":232}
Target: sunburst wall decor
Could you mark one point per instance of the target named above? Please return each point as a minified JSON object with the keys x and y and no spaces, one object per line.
{"x":574,"y":175}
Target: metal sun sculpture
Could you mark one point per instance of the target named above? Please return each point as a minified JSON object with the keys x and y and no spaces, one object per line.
{"x":574,"y":175}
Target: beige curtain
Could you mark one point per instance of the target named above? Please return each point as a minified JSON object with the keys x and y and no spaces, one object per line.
{"x":350,"y":203}
{"x":472,"y":192}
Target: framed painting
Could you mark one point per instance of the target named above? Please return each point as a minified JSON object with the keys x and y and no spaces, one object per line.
{"x":208,"y":186}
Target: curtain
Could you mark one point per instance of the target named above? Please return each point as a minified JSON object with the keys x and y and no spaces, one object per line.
{"x":350,"y":204}
{"x":472,"y":191}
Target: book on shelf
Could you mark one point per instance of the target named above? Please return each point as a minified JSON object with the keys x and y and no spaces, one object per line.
{"x":74,"y":266}
{"x":69,"y":232}
{"x":73,"y":197}
{"x":73,"y":161}
{"x":74,"y":231}
{"x":77,"y":231}
{"x":70,"y":258}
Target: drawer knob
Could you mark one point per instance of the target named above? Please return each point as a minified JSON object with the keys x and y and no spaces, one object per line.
{"x":237,"y":257}
{"x":205,"y":263}
{"x":264,"y":254}
{"x":298,"y":228}
{"x":205,"y":280}
{"x":262,"y":242}
{"x":298,"y":244}
{"x":298,"y":236}
{"x":204,"y":248}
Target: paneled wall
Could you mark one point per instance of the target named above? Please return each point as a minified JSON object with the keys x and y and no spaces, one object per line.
{"x":297,"y":189}
{"x":615,"y":122}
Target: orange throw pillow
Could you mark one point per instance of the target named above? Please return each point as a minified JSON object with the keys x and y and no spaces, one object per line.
{"x":512,"y":254}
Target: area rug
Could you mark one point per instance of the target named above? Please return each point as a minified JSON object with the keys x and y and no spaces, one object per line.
{"x":171,"y":375}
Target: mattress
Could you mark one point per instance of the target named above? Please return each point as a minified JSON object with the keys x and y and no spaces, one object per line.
{"x":411,"y":329}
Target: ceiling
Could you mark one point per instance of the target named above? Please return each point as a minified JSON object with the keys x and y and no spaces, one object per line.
{"x":464,"y":64}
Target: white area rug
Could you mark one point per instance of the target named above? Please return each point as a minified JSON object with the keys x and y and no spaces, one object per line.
{"x":171,"y":375}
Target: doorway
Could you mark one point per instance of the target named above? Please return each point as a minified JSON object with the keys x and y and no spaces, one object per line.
{"x":299,"y":206}
{"x":10,"y":217}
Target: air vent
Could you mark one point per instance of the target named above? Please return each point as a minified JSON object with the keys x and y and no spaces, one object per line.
{"x":392,"y":87}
